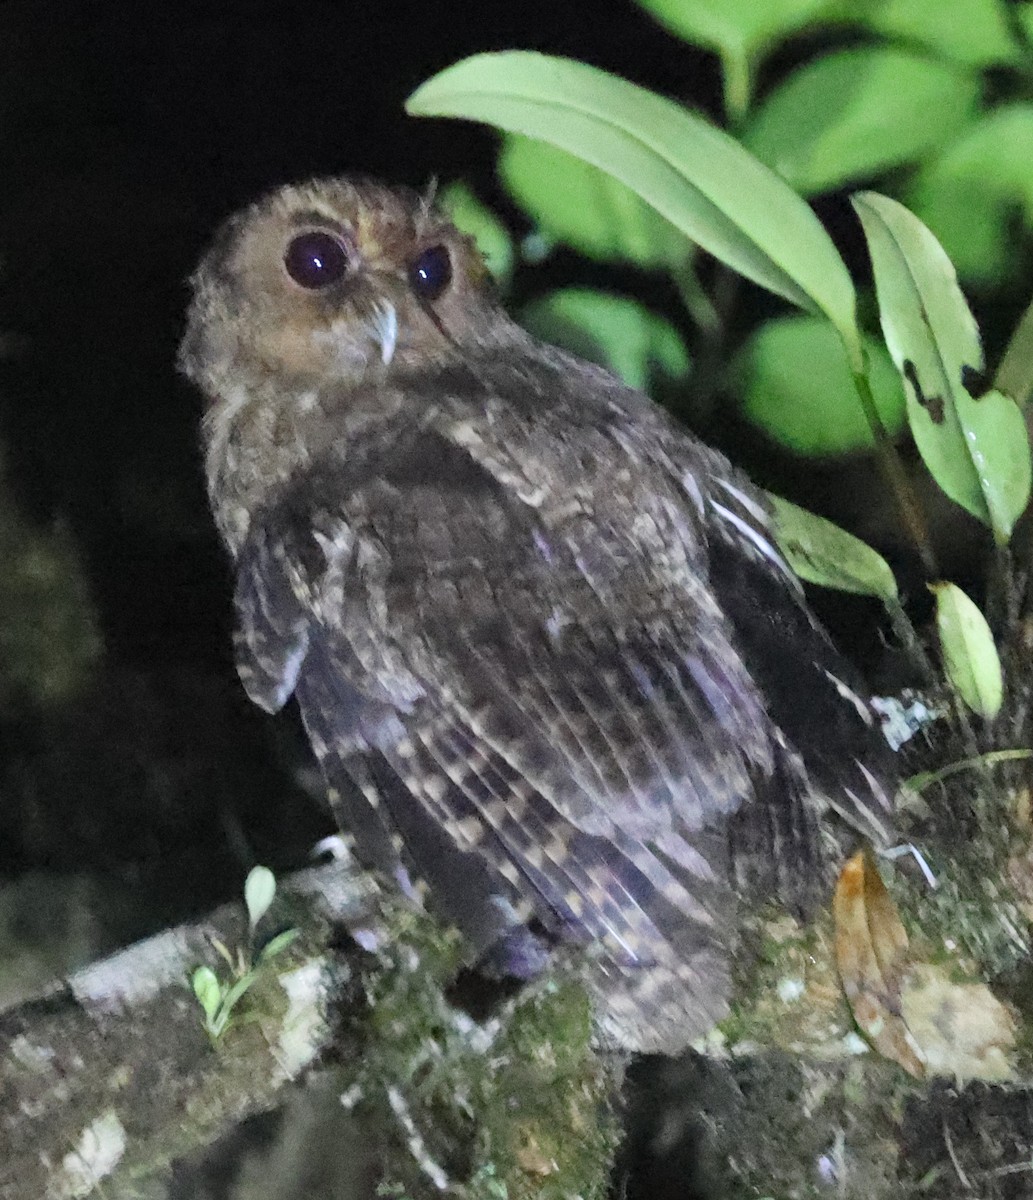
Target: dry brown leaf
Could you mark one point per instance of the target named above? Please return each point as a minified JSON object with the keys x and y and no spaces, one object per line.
{"x":871,"y":953}
{"x":962,"y":1028}
{"x":912,"y":1013}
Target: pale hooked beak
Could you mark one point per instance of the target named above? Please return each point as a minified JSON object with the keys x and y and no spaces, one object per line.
{"x":384,"y":327}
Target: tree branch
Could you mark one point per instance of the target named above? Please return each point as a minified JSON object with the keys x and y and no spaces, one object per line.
{"x":111,"y":1076}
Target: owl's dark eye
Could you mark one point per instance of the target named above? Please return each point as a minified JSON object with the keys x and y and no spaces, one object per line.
{"x":431,"y":272}
{"x":316,"y":259}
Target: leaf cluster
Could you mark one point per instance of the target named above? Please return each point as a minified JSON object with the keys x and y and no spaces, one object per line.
{"x":220,"y":997}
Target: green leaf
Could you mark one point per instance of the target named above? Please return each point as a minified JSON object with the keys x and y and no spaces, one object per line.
{"x":1023,"y":16}
{"x":613,"y":331}
{"x":694,"y":175}
{"x":971,"y":195}
{"x":820,"y":552}
{"x":740,"y":31}
{"x":276,"y":945}
{"x":998,"y":441}
{"x":739,"y":27}
{"x":969,"y":654}
{"x":796,"y":385}
{"x":1014,"y":376}
{"x":259,"y":892}
{"x":586,"y":208}
{"x":479,"y":222}
{"x":207,"y":989}
{"x":239,"y":988}
{"x":857,"y":112}
{"x":972,"y":32}
{"x":976,"y":449}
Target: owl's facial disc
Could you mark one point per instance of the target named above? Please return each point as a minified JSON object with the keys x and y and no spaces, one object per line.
{"x":336,"y":283}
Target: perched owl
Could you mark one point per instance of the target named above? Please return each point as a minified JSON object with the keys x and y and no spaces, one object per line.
{"x":543,"y":644}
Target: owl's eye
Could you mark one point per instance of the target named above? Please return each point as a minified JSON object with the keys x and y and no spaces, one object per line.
{"x":316,"y":259}
{"x":431,"y":272}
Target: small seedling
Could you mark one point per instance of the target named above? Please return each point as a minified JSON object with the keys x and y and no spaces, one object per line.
{"x":220,"y":997}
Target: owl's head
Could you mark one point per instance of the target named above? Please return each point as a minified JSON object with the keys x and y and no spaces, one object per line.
{"x":330,"y":282}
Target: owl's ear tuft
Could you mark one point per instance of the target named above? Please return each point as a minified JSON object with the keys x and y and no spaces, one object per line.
{"x":429,"y":195}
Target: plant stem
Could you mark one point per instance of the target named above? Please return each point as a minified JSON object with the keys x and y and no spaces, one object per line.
{"x":737,"y":77}
{"x":901,"y":624}
{"x":918,"y":783}
{"x":709,"y":354}
{"x":695,"y":300}
{"x":896,"y":477}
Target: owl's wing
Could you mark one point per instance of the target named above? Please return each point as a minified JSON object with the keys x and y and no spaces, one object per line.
{"x":812,"y":694}
{"x":456,"y":665}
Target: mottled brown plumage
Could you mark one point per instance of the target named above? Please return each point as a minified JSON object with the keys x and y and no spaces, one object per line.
{"x":541,"y":640}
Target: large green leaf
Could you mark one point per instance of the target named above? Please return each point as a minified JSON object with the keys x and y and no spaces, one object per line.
{"x":796,"y":385}
{"x":737,"y":27}
{"x":970,"y":657}
{"x":972,"y":193}
{"x":976,"y":449}
{"x":693,"y":174}
{"x":740,"y":31}
{"x":822,"y":553}
{"x":972,"y":32}
{"x":859,"y":111}
{"x":587,"y":208}
{"x":613,"y":331}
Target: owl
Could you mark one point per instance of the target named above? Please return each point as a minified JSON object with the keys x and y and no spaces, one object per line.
{"x":542,"y":641}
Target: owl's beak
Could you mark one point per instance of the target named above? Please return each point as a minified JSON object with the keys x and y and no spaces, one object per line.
{"x":384,"y":327}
